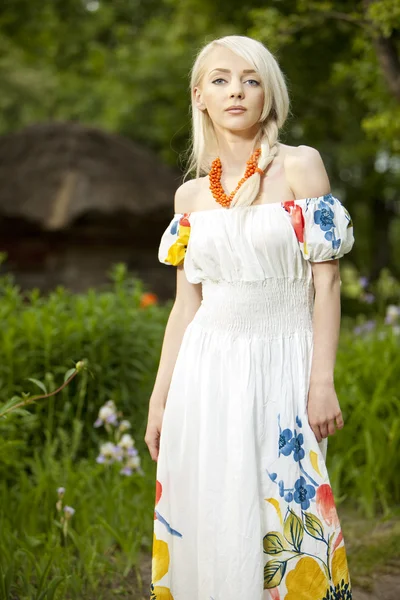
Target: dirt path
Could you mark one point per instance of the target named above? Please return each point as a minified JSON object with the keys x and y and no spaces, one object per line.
{"x":386,"y":587}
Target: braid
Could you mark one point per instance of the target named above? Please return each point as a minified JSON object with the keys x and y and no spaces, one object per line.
{"x":268,"y":137}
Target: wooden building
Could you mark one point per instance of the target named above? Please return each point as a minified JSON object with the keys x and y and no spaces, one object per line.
{"x":74,"y":200}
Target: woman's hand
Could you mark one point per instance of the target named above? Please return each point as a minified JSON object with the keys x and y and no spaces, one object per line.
{"x":153,"y":431}
{"x":323,"y":410}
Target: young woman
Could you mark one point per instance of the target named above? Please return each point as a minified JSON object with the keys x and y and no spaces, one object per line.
{"x":244,"y":394}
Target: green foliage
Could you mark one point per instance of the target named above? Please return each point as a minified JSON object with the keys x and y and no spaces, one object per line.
{"x":363,"y":458}
{"x":43,"y":336}
{"x":110,"y":527}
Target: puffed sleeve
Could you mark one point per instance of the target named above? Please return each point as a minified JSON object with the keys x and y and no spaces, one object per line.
{"x":323,"y":227}
{"x":174,"y":240}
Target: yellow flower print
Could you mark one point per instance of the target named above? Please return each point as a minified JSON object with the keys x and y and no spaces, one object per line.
{"x":161,"y":593}
{"x":160,"y":566}
{"x":306,"y":581}
{"x":160,"y":561}
{"x":339,"y":566}
{"x":177,"y":250}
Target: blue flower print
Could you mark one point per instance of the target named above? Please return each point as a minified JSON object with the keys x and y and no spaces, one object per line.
{"x":298,"y":451}
{"x":286,"y":442}
{"x":298,"y":421}
{"x":174,"y":227}
{"x":289,"y":496}
{"x":303,"y":492}
{"x":329,"y":198}
{"x":330,"y":236}
{"x":281,"y":488}
{"x":324,"y":217}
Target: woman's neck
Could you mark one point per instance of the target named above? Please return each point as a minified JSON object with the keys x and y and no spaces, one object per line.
{"x":234,"y":152}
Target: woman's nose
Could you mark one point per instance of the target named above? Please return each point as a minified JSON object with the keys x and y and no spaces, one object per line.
{"x":236,"y":89}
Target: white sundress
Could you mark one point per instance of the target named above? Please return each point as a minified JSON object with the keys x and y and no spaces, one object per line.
{"x":244,"y":509}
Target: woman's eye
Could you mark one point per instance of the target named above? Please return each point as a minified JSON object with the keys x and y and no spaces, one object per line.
{"x":252,"y":81}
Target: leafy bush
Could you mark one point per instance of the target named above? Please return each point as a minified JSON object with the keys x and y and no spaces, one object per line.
{"x":118,"y":331}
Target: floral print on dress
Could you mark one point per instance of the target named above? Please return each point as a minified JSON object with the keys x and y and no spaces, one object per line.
{"x":307,"y":557}
{"x":175,"y":239}
{"x":323,"y":227}
{"x":160,"y":556}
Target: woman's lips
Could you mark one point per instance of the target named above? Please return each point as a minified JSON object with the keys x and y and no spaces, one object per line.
{"x":236,"y":110}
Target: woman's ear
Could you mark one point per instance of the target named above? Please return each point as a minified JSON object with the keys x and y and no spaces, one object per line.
{"x":198,"y":99}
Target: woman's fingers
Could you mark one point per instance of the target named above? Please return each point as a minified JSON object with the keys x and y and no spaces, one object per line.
{"x":324,"y":430}
{"x":331,"y":427}
{"x":339,"y":420}
{"x":317,"y":432}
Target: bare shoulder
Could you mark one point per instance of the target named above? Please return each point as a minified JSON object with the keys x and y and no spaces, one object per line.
{"x":305,"y":172}
{"x":186,"y":195}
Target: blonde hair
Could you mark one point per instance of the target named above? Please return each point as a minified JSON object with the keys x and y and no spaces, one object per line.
{"x":273,"y":116}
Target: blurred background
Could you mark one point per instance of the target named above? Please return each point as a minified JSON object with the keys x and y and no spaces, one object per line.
{"x":94,"y":124}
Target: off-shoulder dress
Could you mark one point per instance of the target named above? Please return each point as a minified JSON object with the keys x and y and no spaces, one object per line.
{"x":244,"y":508}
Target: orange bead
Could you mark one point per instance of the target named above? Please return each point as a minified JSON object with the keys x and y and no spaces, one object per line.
{"x":215,"y":178}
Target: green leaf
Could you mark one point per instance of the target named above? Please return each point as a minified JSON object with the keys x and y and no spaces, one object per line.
{"x":314,"y":526}
{"x":38,"y":383}
{"x":43,"y":577}
{"x":274,"y":543}
{"x":51,"y":590}
{"x":8,"y":580}
{"x":68,"y":374}
{"x":293,"y":530}
{"x":274,"y":571}
{"x":10,"y":403}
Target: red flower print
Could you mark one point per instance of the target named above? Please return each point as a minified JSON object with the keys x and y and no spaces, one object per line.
{"x":297,"y":218}
{"x":184,"y":220}
{"x":158,"y":495}
{"x":326,"y":505}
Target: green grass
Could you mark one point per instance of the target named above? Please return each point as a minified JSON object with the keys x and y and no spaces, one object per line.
{"x":111,"y":527}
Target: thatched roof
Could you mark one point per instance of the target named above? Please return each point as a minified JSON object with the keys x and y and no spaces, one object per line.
{"x":53,"y":173}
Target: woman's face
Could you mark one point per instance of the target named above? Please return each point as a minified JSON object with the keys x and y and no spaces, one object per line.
{"x":228,"y":81}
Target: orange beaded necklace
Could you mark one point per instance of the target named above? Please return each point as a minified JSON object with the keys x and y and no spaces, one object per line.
{"x":215,"y":178}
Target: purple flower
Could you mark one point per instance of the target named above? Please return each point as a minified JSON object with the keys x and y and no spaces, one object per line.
{"x":112,"y":419}
{"x":368,"y":298}
{"x":303,"y":493}
{"x":363,"y":281}
{"x":126,"y":471}
{"x":132,"y":452}
{"x":69,"y":511}
{"x":98,"y":423}
{"x":101,"y":459}
{"x":369,"y":325}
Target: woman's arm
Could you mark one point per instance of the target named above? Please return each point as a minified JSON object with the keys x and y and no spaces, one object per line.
{"x":187,"y":302}
{"x":308,"y":178}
